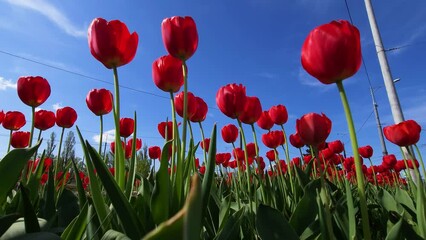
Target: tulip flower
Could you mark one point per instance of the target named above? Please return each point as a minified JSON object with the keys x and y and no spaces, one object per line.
{"x":251,"y":150}
{"x":270,"y":155}
{"x":44,"y":119}
{"x":20,"y":139}
{"x":231,"y":100}
{"x":180,"y":36}
{"x":112,"y":146}
{"x":33,"y":91}
{"x":366,"y":151}
{"x":252,"y":111}
{"x":205,"y":144}
{"x":404,"y":133}
{"x":129,"y":145}
{"x":313,"y":128}
{"x":1,"y":116}
{"x":336,"y":146}
{"x":273,"y":139}
{"x":166,"y":130}
{"x":154,"y":152}
{"x":167,"y":73}
{"x":229,"y":133}
{"x":265,"y":122}
{"x":66,"y":117}
{"x":192,"y":104}
{"x":296,"y":141}
{"x":13,"y":120}
{"x":99,"y":101}
{"x":111,"y":42}
{"x":238,"y":154}
{"x":200,"y":114}
{"x":389,"y":161}
{"x":278,"y":114}
{"x":127,"y":126}
{"x":332,"y":52}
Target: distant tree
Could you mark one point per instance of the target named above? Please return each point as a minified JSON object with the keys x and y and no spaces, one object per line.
{"x":51,"y":145}
{"x":68,"y":151}
{"x":143,"y":163}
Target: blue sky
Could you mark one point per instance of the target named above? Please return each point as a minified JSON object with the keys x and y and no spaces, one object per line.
{"x":256,"y":43}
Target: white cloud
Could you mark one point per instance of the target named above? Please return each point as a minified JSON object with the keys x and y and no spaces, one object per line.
{"x":52,"y":13}
{"x":6,"y":84}
{"x":308,"y":80}
{"x":56,"y":106}
{"x":107,"y":137}
{"x":267,"y":75}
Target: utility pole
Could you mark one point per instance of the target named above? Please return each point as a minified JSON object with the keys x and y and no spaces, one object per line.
{"x":384,"y":66}
{"x":379,"y":124}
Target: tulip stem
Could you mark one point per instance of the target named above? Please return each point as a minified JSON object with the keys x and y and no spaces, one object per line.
{"x":10,"y":140}
{"x":58,"y":157}
{"x":287,"y":155}
{"x":202,"y":138}
{"x":101,"y":135}
{"x":32,"y":126}
{"x":420,"y":160}
{"x":257,"y":161}
{"x":358,"y":166}
{"x":243,"y":138}
{"x":119,"y":153}
{"x":175,"y":137}
{"x":179,"y":169}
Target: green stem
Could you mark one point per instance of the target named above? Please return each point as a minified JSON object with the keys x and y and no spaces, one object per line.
{"x":32,"y":126}
{"x":100,"y":136}
{"x":10,"y":140}
{"x":420,"y":160}
{"x":287,"y":155}
{"x":119,"y":153}
{"x":257,"y":159}
{"x":248,"y":172}
{"x":374,"y":172}
{"x":179,"y":169}
{"x":58,"y":158}
{"x":202,"y":138}
{"x":358,"y":165}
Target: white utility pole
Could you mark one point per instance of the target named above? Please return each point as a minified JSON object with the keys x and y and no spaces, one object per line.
{"x":397,"y":114}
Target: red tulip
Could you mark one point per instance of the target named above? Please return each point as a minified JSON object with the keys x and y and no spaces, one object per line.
{"x":162,"y":130}
{"x":127,"y":126}
{"x":20,"y":139}
{"x":167,"y":73}
{"x":154,"y":152}
{"x":332,"y":52}
{"x":400,"y":165}
{"x":111,"y":42}
{"x":238,"y":153}
{"x":273,"y":139}
{"x":366,"y":151}
{"x":265,"y":122}
{"x":404,"y":133}
{"x":44,"y":120}
{"x":410,"y":163}
{"x":192,"y":104}
{"x":251,"y":150}
{"x":13,"y":120}
{"x":128,"y":149}
{"x":222,"y":158}
{"x":231,"y":100}
{"x":252,"y":111}
{"x":296,"y":141}
{"x":389,"y":161}
{"x":202,"y":170}
{"x":99,"y":101}
{"x":200,"y":114}
{"x":205,"y":144}
{"x":197,"y":163}
{"x":336,"y":146}
{"x":33,"y":91}
{"x":296,"y":161}
{"x":112,"y":146}
{"x":180,"y":36}
{"x":270,"y":155}
{"x":313,"y":128}
{"x":229,"y":133}
{"x":278,"y":114}
{"x":66,"y":117}
{"x":1,"y":116}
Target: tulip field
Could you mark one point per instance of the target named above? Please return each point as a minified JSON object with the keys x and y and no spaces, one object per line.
{"x":321,"y":193}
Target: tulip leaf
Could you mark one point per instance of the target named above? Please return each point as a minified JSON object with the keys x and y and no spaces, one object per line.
{"x":351,"y":211}
{"x":76,"y":228}
{"x":30,"y":217}
{"x":160,"y":204}
{"x":132,"y":172}
{"x":231,"y":226}
{"x":395,"y":232}
{"x":7,"y":221}
{"x":11,"y":167}
{"x":128,"y":218}
{"x":95,"y":189}
{"x":34,"y":181}
{"x":210,"y":167}
{"x":82,"y":199}
{"x":114,"y":235}
{"x":271,"y":224}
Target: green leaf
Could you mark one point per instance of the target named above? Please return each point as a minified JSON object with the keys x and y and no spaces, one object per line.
{"x":271,"y":224}
{"x":78,"y":226}
{"x":82,"y":199}
{"x":30,"y":218}
{"x":67,"y":208}
{"x":306,"y":212}
{"x":49,"y":208}
{"x":132,"y":172}
{"x":209,"y":174}
{"x":302,"y":177}
{"x":395,"y":232}
{"x":7,"y":221}
{"x":128,"y":218}
{"x":387,"y":201}
{"x":351,"y":211}
{"x":160,"y":194}
{"x":17,"y":229}
{"x":192,"y":220}
{"x":114,"y":235}
{"x":34,"y":181}
{"x":95,"y":189}
{"x":231,"y":227}
{"x":11,"y":167}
